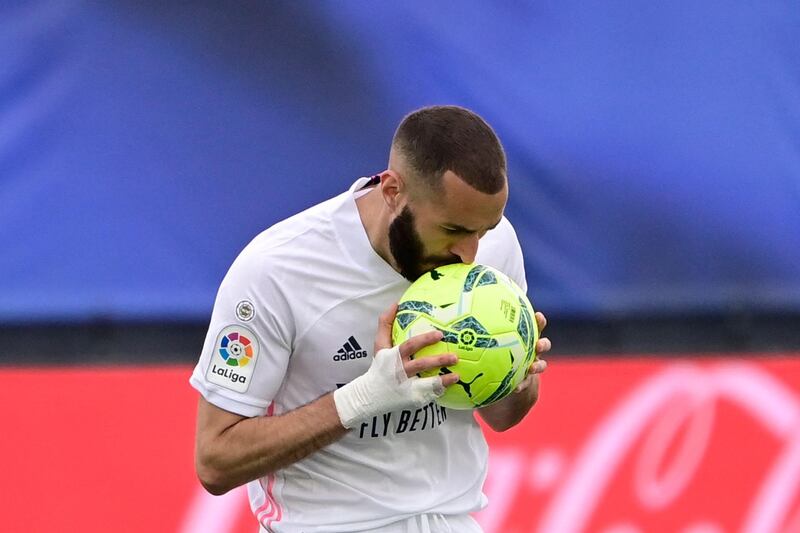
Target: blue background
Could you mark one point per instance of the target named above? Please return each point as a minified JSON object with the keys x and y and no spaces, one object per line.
{"x":654,"y":148}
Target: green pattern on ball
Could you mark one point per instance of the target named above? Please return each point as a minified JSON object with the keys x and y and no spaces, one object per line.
{"x":487,"y":279}
{"x":524,"y":325}
{"x":485,"y":342}
{"x":411,"y":305}
{"x":486,"y":320}
{"x":472,"y":275}
{"x":404,"y":319}
{"x":470,"y":323}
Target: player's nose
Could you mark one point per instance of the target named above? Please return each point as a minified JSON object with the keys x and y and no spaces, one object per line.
{"x":466,"y":248}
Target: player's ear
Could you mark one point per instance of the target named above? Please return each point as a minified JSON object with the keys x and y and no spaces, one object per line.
{"x":394,"y":190}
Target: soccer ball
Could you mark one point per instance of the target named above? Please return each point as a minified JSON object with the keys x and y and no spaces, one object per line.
{"x":487,"y":321}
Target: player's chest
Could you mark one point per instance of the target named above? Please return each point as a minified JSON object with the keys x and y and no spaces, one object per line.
{"x":339,"y":346}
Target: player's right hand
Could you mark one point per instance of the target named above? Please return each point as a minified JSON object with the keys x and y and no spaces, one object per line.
{"x":412,"y":367}
{"x":391,"y":382}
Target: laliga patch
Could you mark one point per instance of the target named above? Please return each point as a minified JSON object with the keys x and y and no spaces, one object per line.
{"x":245,"y":311}
{"x":234,"y":358}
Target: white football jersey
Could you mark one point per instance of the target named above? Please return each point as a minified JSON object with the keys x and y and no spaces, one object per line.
{"x":295,"y":318}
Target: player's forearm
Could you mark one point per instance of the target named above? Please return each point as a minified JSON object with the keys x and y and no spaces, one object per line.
{"x":254,"y":447}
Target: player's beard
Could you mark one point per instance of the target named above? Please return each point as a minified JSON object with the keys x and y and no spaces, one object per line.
{"x":407,"y":248}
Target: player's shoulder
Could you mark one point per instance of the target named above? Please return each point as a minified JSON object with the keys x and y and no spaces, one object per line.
{"x":503,"y":235}
{"x":314,"y":224}
{"x":500,"y":248}
{"x":294,"y":243}
{"x":312,"y":227}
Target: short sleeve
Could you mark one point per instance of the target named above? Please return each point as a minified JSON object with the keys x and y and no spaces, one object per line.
{"x":501,"y":249}
{"x":516,"y":262}
{"x":248,"y":344}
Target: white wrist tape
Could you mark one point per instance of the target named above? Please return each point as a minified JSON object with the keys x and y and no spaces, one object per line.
{"x":384,"y":388}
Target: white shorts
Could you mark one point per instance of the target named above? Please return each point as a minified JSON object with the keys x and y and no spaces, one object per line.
{"x":432,"y":523}
{"x":427,"y":523}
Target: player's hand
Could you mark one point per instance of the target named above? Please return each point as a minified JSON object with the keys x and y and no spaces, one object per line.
{"x":412,"y":367}
{"x":390,"y":383}
{"x":543,"y":346}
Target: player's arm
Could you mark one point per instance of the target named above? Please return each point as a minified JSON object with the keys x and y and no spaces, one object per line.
{"x":510,"y":411}
{"x":231,"y":450}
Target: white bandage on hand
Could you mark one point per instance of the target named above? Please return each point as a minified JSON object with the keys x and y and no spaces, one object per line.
{"x":384,"y":388}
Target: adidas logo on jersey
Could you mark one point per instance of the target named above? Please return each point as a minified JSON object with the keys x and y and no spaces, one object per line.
{"x":350,"y":350}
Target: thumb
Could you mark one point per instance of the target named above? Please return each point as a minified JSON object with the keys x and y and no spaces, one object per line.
{"x":383,"y":338}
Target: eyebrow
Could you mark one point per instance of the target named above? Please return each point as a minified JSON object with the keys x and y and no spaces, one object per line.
{"x":462,"y":229}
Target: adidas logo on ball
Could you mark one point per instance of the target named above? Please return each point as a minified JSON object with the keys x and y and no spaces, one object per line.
{"x":350,"y":350}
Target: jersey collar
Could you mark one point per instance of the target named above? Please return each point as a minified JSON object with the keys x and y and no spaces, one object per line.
{"x":353,"y":237}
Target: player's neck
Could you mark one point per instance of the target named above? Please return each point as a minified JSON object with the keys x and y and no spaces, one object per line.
{"x":375,"y":218}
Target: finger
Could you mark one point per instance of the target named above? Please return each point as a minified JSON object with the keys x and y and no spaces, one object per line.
{"x":383,"y":338}
{"x":415,"y":366}
{"x":538,"y":366}
{"x":530,"y":382}
{"x":449,"y":380}
{"x":418,"y":342}
{"x":541,"y":321}
{"x":543,"y":345}
{"x":428,"y":388}
{"x":524,"y":384}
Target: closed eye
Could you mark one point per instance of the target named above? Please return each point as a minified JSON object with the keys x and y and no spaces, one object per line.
{"x":454,"y":231}
{"x":458,"y":230}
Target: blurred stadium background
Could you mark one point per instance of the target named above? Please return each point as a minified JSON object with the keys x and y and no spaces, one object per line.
{"x":654,"y":158}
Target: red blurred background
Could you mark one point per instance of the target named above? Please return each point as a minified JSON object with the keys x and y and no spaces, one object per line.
{"x":696,"y":445}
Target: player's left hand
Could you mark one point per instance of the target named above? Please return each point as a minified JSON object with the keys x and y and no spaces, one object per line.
{"x":543,"y":346}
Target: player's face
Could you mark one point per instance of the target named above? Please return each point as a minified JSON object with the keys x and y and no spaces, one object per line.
{"x":434,"y":231}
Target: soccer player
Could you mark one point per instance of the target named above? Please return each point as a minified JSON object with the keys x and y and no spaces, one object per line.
{"x":301,"y":397}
